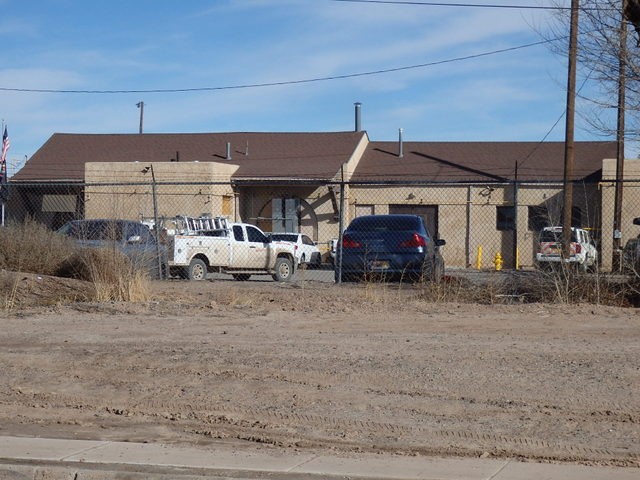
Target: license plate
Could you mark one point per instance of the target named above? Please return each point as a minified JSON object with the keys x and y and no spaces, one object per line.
{"x":379,"y":265}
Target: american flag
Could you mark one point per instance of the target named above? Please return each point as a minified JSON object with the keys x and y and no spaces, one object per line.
{"x":5,"y":145}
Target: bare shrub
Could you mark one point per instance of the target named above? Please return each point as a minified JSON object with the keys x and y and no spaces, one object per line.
{"x":111,"y":272}
{"x":32,"y":248}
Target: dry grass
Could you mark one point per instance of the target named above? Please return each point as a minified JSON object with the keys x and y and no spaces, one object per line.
{"x":111,"y":273}
{"x":30,"y":247}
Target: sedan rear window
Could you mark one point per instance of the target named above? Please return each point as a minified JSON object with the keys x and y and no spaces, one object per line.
{"x":384,"y":223}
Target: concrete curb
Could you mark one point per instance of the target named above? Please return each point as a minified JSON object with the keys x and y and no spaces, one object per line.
{"x":23,"y":458}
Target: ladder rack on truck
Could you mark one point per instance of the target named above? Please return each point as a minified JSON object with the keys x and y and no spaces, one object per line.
{"x":195,"y":225}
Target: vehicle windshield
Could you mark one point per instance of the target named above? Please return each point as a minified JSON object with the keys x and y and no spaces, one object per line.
{"x":552,"y":236}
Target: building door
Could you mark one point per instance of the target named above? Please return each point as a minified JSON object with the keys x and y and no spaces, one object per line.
{"x":429,"y":214}
{"x":227,"y":206}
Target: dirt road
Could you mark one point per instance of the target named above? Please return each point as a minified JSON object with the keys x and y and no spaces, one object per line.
{"x":315,"y":366}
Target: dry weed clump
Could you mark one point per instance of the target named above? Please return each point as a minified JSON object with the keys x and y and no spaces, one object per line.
{"x":32,"y":248}
{"x":111,"y":273}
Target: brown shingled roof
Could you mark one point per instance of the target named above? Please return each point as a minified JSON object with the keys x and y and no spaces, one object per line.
{"x":270,"y":155}
{"x":478,"y":161}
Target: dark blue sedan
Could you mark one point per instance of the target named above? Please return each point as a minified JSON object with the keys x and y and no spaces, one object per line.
{"x":390,"y":247}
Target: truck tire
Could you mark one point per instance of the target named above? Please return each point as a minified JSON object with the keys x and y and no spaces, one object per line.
{"x":197,"y":270}
{"x":283,"y":270}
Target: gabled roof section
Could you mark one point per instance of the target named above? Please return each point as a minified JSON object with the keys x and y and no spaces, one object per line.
{"x":310,"y":156}
{"x":478,"y":161}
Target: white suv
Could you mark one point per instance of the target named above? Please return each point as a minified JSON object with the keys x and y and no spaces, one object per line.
{"x":583,"y":251}
{"x":306,"y":252}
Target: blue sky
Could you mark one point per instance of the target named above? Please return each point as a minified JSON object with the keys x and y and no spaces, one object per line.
{"x":159,"y":45}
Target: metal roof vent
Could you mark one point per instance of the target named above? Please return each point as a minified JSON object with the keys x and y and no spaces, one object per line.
{"x":228,"y":150}
{"x":358,"y":106}
{"x":400,"y":144}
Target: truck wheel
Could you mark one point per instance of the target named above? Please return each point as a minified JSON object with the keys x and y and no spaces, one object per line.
{"x":283,"y":270}
{"x":197,"y":270}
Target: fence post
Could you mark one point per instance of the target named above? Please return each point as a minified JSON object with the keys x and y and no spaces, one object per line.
{"x":338,"y":267}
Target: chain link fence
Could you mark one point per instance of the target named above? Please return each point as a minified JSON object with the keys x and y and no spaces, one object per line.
{"x":485,"y":226}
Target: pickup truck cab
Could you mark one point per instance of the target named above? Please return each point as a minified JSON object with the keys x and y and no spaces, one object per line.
{"x":205,"y":245}
{"x":583,"y":252}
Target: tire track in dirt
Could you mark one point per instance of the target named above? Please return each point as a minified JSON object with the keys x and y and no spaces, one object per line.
{"x":324,"y":381}
{"x":260,"y":425}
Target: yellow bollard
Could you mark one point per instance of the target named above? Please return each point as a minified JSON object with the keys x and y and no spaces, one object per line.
{"x":497,"y":261}
{"x":479,"y":258}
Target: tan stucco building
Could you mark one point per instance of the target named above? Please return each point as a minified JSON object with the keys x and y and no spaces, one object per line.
{"x":483,"y":198}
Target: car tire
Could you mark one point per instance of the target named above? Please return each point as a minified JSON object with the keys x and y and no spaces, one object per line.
{"x":283,"y":270}
{"x":197,"y":270}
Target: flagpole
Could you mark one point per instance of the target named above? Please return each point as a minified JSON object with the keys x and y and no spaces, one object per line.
{"x":4,"y":171}
{"x":3,"y":179}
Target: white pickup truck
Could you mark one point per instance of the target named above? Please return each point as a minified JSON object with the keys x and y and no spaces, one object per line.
{"x":583,"y":252}
{"x":202,"y":245}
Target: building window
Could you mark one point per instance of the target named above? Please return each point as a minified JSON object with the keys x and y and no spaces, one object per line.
{"x":505,"y":218}
{"x":576,"y":217}
{"x":362,"y":210}
{"x":538,"y":218}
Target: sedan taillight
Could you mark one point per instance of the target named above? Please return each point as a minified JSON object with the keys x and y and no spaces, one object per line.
{"x":348,"y":242}
{"x":416,"y":240}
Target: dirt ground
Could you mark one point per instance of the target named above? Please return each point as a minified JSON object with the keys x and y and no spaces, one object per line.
{"x":315,"y":366}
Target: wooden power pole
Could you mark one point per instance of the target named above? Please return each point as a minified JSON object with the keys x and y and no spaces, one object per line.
{"x":616,"y":251}
{"x":569,"y":132}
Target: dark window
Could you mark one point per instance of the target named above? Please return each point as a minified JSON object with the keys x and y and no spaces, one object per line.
{"x":255,"y":235}
{"x":237,"y":233}
{"x":376,"y":223}
{"x":538,"y":218}
{"x":576,"y":217}
{"x":284,"y":237}
{"x":505,"y":218}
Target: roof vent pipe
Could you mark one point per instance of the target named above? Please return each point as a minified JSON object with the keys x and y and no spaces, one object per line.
{"x":228,"y":150}
{"x":400,"y":145}
{"x":358,"y":123}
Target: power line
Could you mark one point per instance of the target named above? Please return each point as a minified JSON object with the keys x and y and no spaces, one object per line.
{"x":463,"y":5}
{"x":282,"y":83}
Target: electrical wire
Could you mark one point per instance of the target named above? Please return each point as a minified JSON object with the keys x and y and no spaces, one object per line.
{"x":287,"y":82}
{"x":463,"y":5}
{"x":471,"y":5}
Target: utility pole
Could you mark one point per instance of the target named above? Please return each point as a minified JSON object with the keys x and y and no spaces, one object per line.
{"x":140,"y":105}
{"x":568,"y":142}
{"x":622,"y":86}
